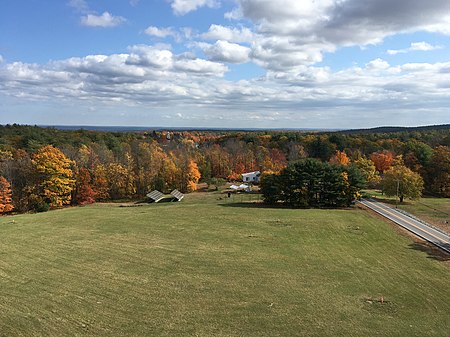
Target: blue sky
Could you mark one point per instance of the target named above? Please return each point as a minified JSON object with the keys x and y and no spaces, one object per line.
{"x":225,"y":63}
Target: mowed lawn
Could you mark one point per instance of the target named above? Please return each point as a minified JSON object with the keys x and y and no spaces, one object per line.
{"x":209,"y":267}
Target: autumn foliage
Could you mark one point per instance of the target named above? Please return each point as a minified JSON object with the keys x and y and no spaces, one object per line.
{"x":193,"y":176}
{"x":340,"y":158}
{"x":403,"y":183}
{"x":5,"y":196}
{"x":55,"y":176}
{"x":382,"y":160}
{"x":87,"y":166}
{"x":85,"y":194}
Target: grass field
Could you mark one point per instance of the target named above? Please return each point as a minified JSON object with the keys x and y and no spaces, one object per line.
{"x":209,"y":267}
{"x":433,"y":210}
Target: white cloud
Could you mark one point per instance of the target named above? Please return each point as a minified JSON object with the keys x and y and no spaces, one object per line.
{"x":415,"y":46}
{"x":160,"y":32}
{"x":200,"y":66}
{"x":187,"y":32}
{"x":104,"y":20}
{"x":79,"y":5}
{"x":149,"y":56}
{"x":230,"y":34}
{"x":377,"y":65}
{"x":223,"y":51}
{"x":235,"y":14}
{"x":154,"y":77}
{"x":291,"y":33}
{"x":1,"y":59}
{"x":282,"y":53}
{"x":182,"y":7}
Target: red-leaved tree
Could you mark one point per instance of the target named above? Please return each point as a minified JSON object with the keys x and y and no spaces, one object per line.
{"x":382,"y":160}
{"x":85,"y":194}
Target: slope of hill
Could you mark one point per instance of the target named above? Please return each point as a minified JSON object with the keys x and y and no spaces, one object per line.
{"x":215,"y":267}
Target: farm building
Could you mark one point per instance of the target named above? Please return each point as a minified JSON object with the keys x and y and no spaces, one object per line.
{"x":251,"y":177}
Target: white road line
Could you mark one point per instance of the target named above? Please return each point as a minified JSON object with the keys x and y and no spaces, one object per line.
{"x":392,"y":216}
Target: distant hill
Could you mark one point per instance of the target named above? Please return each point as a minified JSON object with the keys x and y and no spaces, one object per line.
{"x":133,"y":129}
{"x":380,"y":129}
{"x":107,"y":128}
{"x":394,"y":129}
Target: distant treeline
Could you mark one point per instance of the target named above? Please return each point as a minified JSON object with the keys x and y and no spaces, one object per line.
{"x":392,"y":129}
{"x":93,"y":165}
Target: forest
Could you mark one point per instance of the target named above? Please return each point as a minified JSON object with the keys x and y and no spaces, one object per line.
{"x":44,"y":168}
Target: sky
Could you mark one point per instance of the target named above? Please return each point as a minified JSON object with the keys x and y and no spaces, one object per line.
{"x":225,"y":63}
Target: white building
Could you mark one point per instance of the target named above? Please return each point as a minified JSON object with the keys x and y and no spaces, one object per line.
{"x":251,"y":177}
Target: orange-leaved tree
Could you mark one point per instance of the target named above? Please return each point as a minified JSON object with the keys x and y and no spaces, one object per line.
{"x":55,"y":176}
{"x":193,"y":176}
{"x":340,"y":158}
{"x":382,"y":160}
{"x":5,"y":196}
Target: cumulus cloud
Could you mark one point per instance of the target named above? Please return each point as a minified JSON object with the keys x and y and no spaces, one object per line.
{"x":223,"y":51}
{"x":201,"y":66}
{"x":149,"y":75}
{"x":282,"y":53}
{"x":144,"y":75}
{"x":160,"y":32}
{"x":292,"y":33}
{"x":230,"y":34}
{"x":104,"y":20}
{"x":149,"y":56}
{"x":415,"y":46}
{"x":182,"y":7}
{"x":377,"y":64}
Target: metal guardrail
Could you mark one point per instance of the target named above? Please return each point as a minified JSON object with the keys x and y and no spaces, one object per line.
{"x":444,"y":248}
{"x":421,"y":221}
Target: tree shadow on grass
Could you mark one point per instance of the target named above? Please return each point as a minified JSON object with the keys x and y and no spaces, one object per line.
{"x":392,"y":202}
{"x":256,"y":204}
{"x":432,"y":251}
{"x":259,"y":204}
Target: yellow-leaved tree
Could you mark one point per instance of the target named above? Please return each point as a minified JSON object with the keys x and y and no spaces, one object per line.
{"x":55,"y":176}
{"x":193,"y":176}
{"x":368,"y":170}
{"x":121,"y":181}
{"x":403,"y":183}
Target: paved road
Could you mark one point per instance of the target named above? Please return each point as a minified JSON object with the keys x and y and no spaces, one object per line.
{"x":419,"y":228}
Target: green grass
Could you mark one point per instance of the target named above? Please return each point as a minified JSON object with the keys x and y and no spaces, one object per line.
{"x":209,"y":267}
